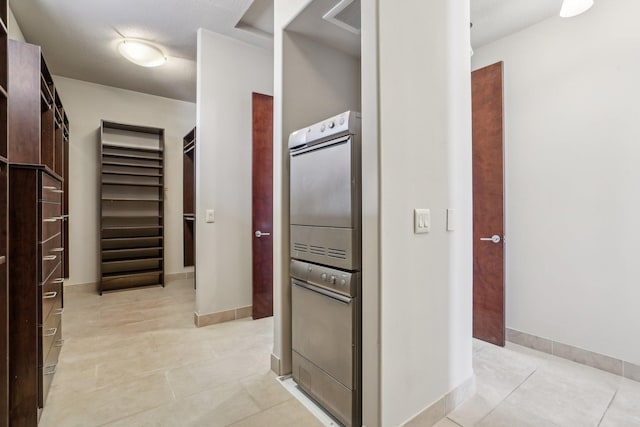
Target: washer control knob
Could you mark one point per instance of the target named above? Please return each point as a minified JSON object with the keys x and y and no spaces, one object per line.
{"x":332,"y":125}
{"x":333,"y":280}
{"x":323,"y":276}
{"x":343,"y":282}
{"x":323,"y":127}
{"x":341,"y":120}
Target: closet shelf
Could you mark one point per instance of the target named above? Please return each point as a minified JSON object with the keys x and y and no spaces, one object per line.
{"x":131,"y":165}
{"x":122,"y":274}
{"x":129,"y":239}
{"x":108,"y":217}
{"x":131,"y":184}
{"x":130,"y":156}
{"x":129,"y":250}
{"x":130,"y":227}
{"x":128,"y":199}
{"x":189,"y":147}
{"x":127,"y":147}
{"x":154,"y":175}
{"x":130,"y":261}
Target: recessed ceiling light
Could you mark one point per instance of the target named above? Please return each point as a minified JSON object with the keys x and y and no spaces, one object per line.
{"x":141,"y":53}
{"x":571,"y":8}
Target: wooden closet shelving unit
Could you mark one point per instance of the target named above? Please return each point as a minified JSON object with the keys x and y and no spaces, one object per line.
{"x":4,"y":291}
{"x":132,"y":206}
{"x":189,"y":197}
{"x":38,"y":153}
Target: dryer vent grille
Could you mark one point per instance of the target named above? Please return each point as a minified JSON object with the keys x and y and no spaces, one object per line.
{"x":346,"y":15}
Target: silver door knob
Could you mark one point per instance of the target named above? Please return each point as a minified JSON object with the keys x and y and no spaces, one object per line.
{"x":259,"y":234}
{"x":495,"y":238}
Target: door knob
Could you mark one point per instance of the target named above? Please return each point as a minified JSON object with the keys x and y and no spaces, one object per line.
{"x":259,"y":234}
{"x":495,"y":238}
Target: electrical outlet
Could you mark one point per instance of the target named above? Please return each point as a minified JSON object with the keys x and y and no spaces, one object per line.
{"x":421,"y":221}
{"x":210,"y":216}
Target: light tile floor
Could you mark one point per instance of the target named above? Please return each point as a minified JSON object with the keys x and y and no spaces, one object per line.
{"x":134,"y":358}
{"x":517,"y":386}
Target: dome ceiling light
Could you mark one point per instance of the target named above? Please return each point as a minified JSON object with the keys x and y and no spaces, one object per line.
{"x":142,"y":53}
{"x":571,"y":8}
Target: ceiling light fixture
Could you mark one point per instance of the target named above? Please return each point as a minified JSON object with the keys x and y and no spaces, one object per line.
{"x":141,"y":52}
{"x":571,"y":8}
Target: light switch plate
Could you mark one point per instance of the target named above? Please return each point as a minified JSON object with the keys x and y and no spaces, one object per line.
{"x":210,"y":216}
{"x":421,"y":221}
{"x":451,"y":219}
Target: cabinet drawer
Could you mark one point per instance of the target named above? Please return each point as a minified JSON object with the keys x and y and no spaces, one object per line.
{"x":49,"y":333}
{"x":51,"y":298}
{"x":51,"y":189}
{"x":51,"y":220}
{"x":50,"y":364}
{"x":52,"y":255}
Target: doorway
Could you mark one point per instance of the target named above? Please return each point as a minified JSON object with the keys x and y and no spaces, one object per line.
{"x":488,"y":204}
{"x":262,"y":205}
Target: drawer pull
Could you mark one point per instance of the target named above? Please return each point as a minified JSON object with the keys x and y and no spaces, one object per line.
{"x":58,"y":280}
{"x":49,"y":257}
{"x":49,"y":370}
{"x":59,"y":343}
{"x":50,"y":332}
{"x":59,"y":312}
{"x":49,"y":187}
{"x":57,"y":250}
{"x":49,"y":295}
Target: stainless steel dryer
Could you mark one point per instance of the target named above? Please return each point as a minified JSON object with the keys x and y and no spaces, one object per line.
{"x":325,"y":212}
{"x":325,"y":199}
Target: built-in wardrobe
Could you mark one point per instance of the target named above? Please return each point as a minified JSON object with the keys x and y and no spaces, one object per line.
{"x":189,"y":197}
{"x":37,"y":154}
{"x":4,"y":291}
{"x":131,"y":206}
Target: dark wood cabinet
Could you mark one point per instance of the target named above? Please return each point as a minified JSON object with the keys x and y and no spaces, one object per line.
{"x":38,"y":123}
{"x":132,"y":206}
{"x":35,"y":287}
{"x":4,"y":291}
{"x":37,"y":155}
{"x":189,"y":196}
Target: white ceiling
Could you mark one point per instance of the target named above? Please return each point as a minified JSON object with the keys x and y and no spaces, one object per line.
{"x":79,"y":37}
{"x":495,"y":19}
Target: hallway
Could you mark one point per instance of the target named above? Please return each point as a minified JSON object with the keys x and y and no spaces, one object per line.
{"x":134,"y":358}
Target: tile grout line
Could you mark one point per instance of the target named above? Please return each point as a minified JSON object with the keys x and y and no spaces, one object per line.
{"x":608,"y":406}
{"x":508,"y":395}
{"x":456,"y":423}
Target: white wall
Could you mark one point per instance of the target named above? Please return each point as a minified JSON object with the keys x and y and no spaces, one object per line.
{"x":228,"y":72}
{"x":571,"y":136}
{"x":371,"y":404}
{"x":318,"y":82}
{"x":15,"y":32}
{"x":86,"y":104}
{"x":425,"y":162}
{"x":416,"y":289}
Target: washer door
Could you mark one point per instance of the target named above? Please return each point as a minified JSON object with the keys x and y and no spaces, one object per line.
{"x":323,"y":330}
{"x":323,"y":185}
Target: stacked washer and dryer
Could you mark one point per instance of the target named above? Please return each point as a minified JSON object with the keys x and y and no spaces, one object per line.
{"x":325,"y":241}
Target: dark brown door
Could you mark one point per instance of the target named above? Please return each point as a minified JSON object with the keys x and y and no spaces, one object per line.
{"x":262,"y":204}
{"x":488,"y":205}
